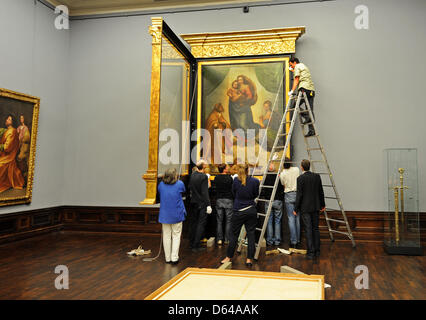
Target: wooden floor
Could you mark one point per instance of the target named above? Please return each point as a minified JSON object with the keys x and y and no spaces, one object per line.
{"x":100,"y":269}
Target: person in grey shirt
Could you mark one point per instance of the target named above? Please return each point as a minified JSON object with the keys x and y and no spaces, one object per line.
{"x":288,"y":178}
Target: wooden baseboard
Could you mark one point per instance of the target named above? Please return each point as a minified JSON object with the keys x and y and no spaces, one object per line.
{"x":136,"y":220}
{"x":366,"y":227}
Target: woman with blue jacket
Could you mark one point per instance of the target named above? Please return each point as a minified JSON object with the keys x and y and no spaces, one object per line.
{"x":172,"y":213}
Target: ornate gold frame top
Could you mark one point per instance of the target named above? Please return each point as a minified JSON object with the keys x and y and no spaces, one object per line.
{"x":244,"y":43}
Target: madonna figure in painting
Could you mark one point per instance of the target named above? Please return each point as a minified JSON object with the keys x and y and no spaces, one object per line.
{"x":242,"y":96}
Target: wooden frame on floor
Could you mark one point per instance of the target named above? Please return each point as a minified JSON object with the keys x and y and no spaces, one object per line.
{"x":173,"y":283}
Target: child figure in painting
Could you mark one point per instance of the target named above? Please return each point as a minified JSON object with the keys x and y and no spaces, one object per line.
{"x":234,"y":93}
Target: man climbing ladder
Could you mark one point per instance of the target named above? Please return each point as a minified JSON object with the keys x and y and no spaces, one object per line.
{"x":303,"y":81}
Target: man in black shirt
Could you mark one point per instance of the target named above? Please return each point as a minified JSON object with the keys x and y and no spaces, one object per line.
{"x":224,"y":202}
{"x":273,"y":233}
{"x":200,"y":204}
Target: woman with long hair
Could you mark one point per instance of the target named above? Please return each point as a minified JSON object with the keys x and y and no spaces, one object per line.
{"x":172,"y":213}
{"x":245,"y":190}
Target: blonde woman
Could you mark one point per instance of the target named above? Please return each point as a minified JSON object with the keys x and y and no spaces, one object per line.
{"x":245,"y":190}
{"x":172,"y":213}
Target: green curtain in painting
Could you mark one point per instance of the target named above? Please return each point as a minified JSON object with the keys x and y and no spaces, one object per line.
{"x":270,"y":76}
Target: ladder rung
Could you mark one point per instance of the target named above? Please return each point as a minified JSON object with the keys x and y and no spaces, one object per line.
{"x":261,"y":214}
{"x":279,"y":147}
{"x":317,"y":161}
{"x":313,"y":149}
{"x":303,"y":111}
{"x":336,"y":220}
{"x":346,"y":233}
{"x":307,"y":123}
{"x":322,"y":173}
{"x":330,"y":209}
{"x":283,"y":134}
{"x":331,"y":198}
{"x":264,"y":200}
{"x":263,"y":186}
{"x":328,"y":185}
{"x":259,"y":229}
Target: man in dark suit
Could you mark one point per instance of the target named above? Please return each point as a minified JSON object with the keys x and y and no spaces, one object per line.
{"x":200,"y":204}
{"x":309,"y":202}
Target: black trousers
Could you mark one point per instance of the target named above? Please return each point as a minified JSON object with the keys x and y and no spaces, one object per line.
{"x":198,"y":220}
{"x":306,"y":117}
{"x":311,"y":223}
{"x":248,"y":218}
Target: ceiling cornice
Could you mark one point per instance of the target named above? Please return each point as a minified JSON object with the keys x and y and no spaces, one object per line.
{"x":79,"y":10}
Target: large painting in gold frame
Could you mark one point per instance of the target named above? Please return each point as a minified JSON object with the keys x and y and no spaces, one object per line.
{"x":241,"y":44}
{"x":241,"y":94}
{"x":18,"y":135}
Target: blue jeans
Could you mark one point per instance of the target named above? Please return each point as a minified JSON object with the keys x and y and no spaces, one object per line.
{"x":293,"y":221}
{"x":273,"y":235}
{"x":224,"y":207}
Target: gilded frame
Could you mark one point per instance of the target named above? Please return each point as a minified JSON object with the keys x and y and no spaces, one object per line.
{"x":228,"y":61}
{"x":163,"y":40}
{"x":30,"y":161}
{"x":264,"y":43}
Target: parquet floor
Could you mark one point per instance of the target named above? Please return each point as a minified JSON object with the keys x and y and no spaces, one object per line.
{"x":99,"y":268}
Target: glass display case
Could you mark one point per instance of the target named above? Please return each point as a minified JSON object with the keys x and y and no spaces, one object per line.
{"x":402,"y":232}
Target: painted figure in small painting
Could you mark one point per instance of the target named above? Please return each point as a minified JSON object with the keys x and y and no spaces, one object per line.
{"x":10,"y":175}
{"x":24,"y":147}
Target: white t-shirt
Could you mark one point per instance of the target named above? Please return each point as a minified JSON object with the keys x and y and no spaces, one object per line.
{"x":288,"y":178}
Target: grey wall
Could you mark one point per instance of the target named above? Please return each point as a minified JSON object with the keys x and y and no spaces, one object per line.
{"x":107,"y":133}
{"x":366,"y":81}
{"x":34,"y":60}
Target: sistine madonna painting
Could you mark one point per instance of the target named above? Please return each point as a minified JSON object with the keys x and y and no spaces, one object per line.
{"x":247,"y":97}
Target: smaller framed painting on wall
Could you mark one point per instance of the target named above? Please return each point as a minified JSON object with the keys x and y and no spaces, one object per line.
{"x":18,"y":135}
